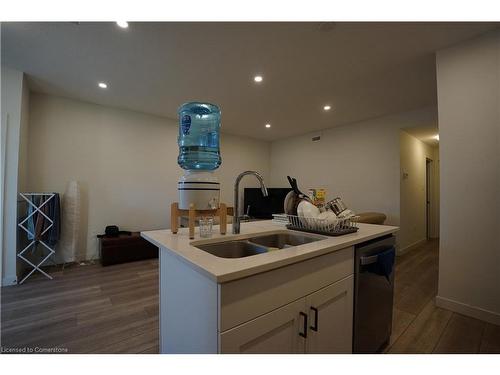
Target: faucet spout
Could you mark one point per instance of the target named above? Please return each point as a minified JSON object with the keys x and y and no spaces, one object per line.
{"x":236,"y":213}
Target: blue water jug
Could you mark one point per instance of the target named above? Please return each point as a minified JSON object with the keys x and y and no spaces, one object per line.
{"x":199,"y":125}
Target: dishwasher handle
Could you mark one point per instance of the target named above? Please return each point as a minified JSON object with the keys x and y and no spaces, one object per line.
{"x":380,"y":264}
{"x":368,"y":260}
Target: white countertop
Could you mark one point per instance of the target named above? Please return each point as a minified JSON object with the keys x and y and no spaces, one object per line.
{"x":223,"y":270}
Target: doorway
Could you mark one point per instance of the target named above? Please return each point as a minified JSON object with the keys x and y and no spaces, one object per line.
{"x":419,"y":191}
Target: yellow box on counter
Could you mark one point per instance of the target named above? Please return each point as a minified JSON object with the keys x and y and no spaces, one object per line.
{"x":318,"y":196}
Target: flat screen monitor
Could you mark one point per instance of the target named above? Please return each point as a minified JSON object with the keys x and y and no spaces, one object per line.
{"x":260,"y":207}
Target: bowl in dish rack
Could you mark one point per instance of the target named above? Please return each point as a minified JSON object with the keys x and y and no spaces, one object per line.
{"x":328,"y":217}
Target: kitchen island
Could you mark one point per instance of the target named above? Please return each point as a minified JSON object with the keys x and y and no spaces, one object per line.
{"x":298,"y":299}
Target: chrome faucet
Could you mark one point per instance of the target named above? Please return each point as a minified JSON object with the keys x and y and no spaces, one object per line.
{"x":236,"y":214}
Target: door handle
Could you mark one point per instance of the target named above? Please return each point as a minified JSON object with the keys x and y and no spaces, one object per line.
{"x":304,"y":333}
{"x":316,"y":318}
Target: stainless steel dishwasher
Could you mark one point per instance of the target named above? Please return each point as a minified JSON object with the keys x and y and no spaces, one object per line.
{"x":373,"y":294}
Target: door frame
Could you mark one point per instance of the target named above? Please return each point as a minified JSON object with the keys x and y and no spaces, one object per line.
{"x":429,"y":167}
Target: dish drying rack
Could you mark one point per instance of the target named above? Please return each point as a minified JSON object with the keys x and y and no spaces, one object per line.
{"x":319,"y":226}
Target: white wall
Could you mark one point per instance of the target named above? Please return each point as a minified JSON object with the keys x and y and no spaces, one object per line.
{"x":436,"y":193}
{"x":3,"y":157}
{"x":14,"y":105}
{"x":24,"y":138}
{"x":126,"y":162}
{"x":469,"y":126}
{"x":413,"y":198}
{"x":358,"y":162}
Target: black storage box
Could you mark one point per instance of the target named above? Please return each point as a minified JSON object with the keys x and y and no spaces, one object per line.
{"x":125,"y":248}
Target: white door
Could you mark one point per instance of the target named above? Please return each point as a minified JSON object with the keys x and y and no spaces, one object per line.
{"x":330,"y":313}
{"x":280,"y":331}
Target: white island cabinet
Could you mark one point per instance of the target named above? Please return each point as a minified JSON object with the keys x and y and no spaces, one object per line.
{"x":294,"y":300}
{"x":296,"y":328}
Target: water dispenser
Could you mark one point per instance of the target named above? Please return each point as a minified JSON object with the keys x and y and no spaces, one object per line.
{"x":199,"y":155}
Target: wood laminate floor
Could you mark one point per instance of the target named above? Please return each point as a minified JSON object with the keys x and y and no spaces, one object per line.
{"x":85,"y":309}
{"x":421,"y":327}
{"x":94,"y":309}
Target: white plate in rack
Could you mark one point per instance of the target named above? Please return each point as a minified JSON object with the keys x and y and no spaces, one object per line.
{"x":307,"y":212}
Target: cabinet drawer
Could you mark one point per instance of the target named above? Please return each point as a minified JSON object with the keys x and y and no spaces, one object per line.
{"x":245,"y":299}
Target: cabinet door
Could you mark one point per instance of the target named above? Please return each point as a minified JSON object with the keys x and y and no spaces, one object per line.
{"x":330,"y":313}
{"x":277,"y":332}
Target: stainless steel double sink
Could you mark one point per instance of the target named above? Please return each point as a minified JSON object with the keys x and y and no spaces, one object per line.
{"x":257,"y":244}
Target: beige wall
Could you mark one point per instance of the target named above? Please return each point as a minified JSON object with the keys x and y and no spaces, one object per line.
{"x":14,"y":120}
{"x":413,"y":191}
{"x":358,"y":162}
{"x":125,"y":161}
{"x":469,"y":125}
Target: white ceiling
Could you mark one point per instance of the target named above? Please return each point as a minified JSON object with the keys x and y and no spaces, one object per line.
{"x":363,"y":70}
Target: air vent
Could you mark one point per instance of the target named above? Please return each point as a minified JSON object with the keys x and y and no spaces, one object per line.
{"x":316,"y":138}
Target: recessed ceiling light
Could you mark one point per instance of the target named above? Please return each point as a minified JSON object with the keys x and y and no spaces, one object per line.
{"x":122,"y":24}
{"x":268,"y":126}
{"x":327,"y":107}
{"x":436,"y":137}
{"x":102,"y":85}
{"x":257,"y":78}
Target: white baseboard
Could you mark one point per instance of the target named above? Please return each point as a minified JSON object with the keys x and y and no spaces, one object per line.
{"x":413,"y":246}
{"x":472,"y":311}
{"x":9,"y":280}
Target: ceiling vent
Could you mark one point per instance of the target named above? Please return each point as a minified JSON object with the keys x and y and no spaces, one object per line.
{"x":316,"y":138}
